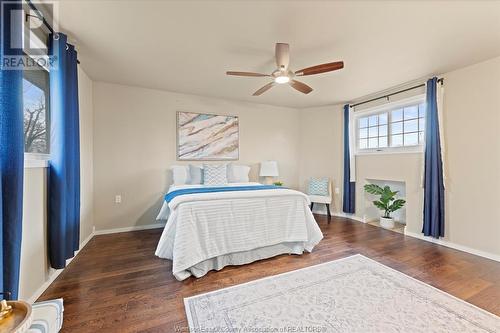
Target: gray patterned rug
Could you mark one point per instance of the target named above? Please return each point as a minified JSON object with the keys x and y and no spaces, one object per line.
{"x":354,"y":294}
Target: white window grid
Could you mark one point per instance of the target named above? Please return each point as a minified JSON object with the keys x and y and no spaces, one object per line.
{"x":386,"y":131}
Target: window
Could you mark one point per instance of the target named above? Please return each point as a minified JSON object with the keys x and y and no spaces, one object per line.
{"x":36,"y":115}
{"x":393,"y":127}
{"x":35,"y":89}
{"x":408,"y":125}
{"x":373,"y":131}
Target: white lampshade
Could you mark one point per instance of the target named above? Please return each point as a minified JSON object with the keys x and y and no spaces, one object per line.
{"x":269,"y":169}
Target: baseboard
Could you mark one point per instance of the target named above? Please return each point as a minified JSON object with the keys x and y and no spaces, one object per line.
{"x":455,"y":246}
{"x":442,"y":242}
{"x":350,"y":216}
{"x":54,"y":273}
{"x":126,"y":229}
{"x":339,"y":214}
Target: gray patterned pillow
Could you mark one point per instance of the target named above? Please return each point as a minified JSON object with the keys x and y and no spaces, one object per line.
{"x":214,"y":174}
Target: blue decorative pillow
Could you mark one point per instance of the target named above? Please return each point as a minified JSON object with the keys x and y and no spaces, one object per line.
{"x":318,"y":186}
{"x":214,"y":174}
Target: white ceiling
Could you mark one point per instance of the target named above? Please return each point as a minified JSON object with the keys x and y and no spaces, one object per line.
{"x":187,"y":46}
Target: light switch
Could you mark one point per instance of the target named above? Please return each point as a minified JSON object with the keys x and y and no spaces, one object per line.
{"x":118,"y":199}
{"x":337,"y":190}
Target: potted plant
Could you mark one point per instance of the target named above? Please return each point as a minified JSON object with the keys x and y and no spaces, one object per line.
{"x":387,"y":203}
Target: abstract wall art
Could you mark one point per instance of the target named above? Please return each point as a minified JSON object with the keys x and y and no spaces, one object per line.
{"x":205,"y":137}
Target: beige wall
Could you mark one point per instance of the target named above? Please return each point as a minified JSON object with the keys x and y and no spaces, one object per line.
{"x":321,"y":137}
{"x":85,"y":90}
{"x":35,"y":268}
{"x":34,"y":260}
{"x":135,"y":145}
{"x":471,"y":129}
{"x":470,"y":123}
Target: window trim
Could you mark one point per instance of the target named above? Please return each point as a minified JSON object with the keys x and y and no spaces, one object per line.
{"x":380,"y":109}
{"x":34,"y":160}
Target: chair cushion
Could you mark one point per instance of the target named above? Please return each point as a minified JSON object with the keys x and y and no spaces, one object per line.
{"x":214,"y":174}
{"x":320,"y":199}
{"x":47,"y":316}
{"x":318,"y":186}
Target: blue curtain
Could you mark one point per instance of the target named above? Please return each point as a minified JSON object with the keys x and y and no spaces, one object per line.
{"x":64,"y":166}
{"x":11,"y":154}
{"x":349,"y":187}
{"x":433,"y":172}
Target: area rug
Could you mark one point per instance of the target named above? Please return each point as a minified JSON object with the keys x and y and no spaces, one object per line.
{"x":353,"y":294}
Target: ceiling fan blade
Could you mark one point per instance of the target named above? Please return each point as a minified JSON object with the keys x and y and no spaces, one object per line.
{"x":246,"y":74}
{"x":282,"y":53}
{"x":332,"y":66}
{"x":302,"y":87}
{"x":264,"y":89}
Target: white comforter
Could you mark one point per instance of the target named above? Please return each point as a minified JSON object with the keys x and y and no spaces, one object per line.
{"x":208,"y":231}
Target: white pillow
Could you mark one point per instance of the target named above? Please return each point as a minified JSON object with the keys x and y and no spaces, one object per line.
{"x":238,"y":173}
{"x":214,"y":174}
{"x":180,"y":174}
{"x":195,"y":174}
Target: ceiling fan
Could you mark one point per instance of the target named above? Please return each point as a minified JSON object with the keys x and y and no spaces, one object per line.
{"x":284,"y":75}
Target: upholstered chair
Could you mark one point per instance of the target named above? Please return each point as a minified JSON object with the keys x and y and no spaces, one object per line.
{"x":319,"y":191}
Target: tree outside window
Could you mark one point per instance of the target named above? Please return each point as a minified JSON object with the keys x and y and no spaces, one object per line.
{"x":35,"y":100}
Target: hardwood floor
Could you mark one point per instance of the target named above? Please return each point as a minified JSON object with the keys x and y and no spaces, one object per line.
{"x":116,"y":284}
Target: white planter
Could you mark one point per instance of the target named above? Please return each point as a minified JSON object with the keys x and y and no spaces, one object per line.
{"x":387,"y":223}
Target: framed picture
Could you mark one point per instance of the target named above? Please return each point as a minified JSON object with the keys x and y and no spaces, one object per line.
{"x":207,"y":137}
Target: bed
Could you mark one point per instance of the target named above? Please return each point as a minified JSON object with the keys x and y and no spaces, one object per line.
{"x":211,"y":227}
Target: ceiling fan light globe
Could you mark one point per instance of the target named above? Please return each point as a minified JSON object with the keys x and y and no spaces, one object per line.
{"x":282,"y":79}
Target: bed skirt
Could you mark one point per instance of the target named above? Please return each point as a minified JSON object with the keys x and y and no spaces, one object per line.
{"x":240,"y":258}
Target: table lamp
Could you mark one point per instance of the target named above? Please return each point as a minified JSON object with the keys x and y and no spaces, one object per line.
{"x":269,"y":169}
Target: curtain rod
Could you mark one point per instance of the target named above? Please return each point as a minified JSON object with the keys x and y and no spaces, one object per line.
{"x":40,"y":16}
{"x":441,"y":80}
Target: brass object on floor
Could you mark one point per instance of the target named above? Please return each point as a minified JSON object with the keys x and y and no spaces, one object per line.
{"x":5,"y":309}
{"x":15,"y":316}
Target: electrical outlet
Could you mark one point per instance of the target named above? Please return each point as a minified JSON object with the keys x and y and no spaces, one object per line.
{"x":118,"y":199}
{"x":337,"y":190}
